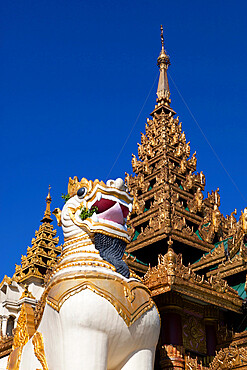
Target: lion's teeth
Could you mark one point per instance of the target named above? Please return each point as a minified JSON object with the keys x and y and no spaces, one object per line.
{"x":95,"y":217}
{"x":99,"y":196}
{"x":130,"y":207}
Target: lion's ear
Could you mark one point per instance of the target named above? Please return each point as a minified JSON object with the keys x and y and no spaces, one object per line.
{"x":57,"y":213}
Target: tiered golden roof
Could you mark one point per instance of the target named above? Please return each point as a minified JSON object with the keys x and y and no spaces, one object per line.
{"x":168,"y":191}
{"x":42,"y":256}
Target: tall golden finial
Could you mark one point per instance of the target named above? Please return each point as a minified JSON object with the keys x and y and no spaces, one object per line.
{"x":47,"y":214}
{"x":163,"y":91}
{"x":162,"y":37}
{"x":49,"y":193}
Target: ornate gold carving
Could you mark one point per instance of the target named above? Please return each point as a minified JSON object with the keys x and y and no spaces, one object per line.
{"x":195,"y":204}
{"x":57,"y":213}
{"x":231,"y":223}
{"x":210,"y":223}
{"x":171,"y":274}
{"x":194,"y":337}
{"x":230,"y":358}
{"x":193,"y":161}
{"x":130,"y":299}
{"x":188,"y":183}
{"x":214,"y":197}
{"x":14,"y":359}
{"x":39,"y":349}
{"x":23,"y":332}
{"x":26,"y":293}
{"x":243,"y":220}
{"x":224,"y":334}
{"x":6,"y":343}
{"x":183,"y":166}
{"x":172,"y":357}
{"x":25,"y":326}
{"x":138,"y":206}
{"x":195,"y":364}
{"x":84,"y":261}
{"x":74,"y":185}
{"x":211,"y":258}
{"x":136,"y":165}
{"x":45,"y":242}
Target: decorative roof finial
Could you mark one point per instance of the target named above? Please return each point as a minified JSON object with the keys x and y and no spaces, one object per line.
{"x":170,"y":243}
{"x":162,"y":37}
{"x":49,"y":193}
{"x":47,"y":214}
{"x":163,"y":91}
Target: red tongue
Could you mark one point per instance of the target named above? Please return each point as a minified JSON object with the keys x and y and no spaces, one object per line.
{"x":114,"y":214}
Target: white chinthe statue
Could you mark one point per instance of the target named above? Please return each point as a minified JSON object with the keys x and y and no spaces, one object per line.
{"x":96,"y":315}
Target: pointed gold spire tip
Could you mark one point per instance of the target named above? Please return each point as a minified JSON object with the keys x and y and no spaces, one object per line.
{"x":162,"y":36}
{"x":163,"y":61}
{"x":47,"y":214}
{"x":49,"y":193}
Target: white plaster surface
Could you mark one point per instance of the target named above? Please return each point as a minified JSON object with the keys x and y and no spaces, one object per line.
{"x":3,"y":363}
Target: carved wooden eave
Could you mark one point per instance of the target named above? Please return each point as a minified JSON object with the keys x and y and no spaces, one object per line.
{"x":192,"y":240}
{"x":146,"y":240}
{"x":162,"y":107}
{"x":231,"y":267}
{"x":239,"y":339}
{"x":5,"y":345}
{"x":171,"y":275}
{"x":214,"y":257}
{"x":151,"y":237}
{"x":135,"y":264}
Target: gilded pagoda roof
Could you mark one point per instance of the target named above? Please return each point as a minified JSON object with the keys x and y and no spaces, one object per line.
{"x":42,"y":255}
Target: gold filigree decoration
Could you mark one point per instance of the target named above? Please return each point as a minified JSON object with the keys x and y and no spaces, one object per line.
{"x":230,"y":358}
{"x":194,"y":334}
{"x":39,"y":349}
{"x":74,"y":185}
{"x":171,"y":274}
{"x":130,"y":299}
{"x":129,"y":294}
{"x":26,"y":293}
{"x":23,"y":332}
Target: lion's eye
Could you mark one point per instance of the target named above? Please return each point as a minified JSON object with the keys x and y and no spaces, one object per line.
{"x":81,"y":193}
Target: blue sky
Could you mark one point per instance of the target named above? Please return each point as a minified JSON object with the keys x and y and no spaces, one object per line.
{"x":74,"y":77}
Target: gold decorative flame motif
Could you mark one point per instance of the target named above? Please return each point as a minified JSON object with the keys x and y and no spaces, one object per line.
{"x":24,"y":330}
{"x":39,"y":349}
{"x":74,"y":185}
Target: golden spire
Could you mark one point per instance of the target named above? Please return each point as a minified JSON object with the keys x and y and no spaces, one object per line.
{"x":47,"y":214}
{"x":162,"y":37}
{"x":163,"y":91}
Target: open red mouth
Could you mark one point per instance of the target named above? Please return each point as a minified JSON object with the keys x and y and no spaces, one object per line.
{"x":111,"y":211}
